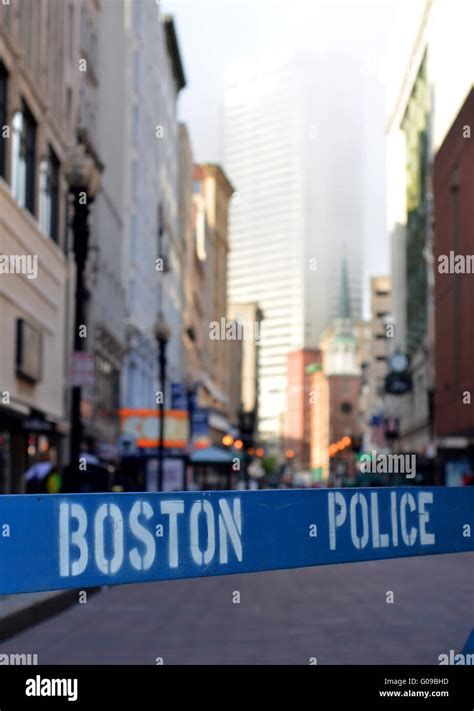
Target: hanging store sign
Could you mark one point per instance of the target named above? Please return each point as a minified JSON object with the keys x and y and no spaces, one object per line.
{"x":82,"y":370}
{"x":142,"y":428}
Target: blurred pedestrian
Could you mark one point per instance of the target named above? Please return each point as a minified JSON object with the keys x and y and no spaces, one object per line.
{"x":43,"y":477}
{"x":468,"y":479}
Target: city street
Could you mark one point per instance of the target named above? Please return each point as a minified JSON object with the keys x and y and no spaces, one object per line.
{"x":236,"y":353}
{"x":337,"y":614}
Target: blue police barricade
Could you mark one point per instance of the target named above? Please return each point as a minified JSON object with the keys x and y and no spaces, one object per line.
{"x":51,"y":542}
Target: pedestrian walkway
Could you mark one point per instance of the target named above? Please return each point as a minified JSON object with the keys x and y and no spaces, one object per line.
{"x":18,"y":612}
{"x":336,"y":614}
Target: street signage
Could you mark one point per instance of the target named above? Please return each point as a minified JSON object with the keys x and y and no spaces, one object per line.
{"x":82,"y":370}
{"x":142,"y":428}
{"x":398,"y":383}
{"x":38,"y":424}
{"x":179,"y":396}
{"x":200,"y":431}
{"x":399,"y":362}
{"x":107,"y":450}
{"x":51,"y":542}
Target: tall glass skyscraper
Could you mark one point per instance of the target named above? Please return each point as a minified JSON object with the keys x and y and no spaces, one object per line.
{"x":292,"y":154}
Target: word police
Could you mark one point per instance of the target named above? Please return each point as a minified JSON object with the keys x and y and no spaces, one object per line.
{"x":405,"y":523}
{"x":202,"y":533}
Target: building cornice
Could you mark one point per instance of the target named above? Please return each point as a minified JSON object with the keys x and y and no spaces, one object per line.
{"x":409,"y":77}
{"x":173,"y":50}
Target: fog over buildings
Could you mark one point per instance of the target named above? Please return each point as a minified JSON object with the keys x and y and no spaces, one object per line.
{"x":299,"y":206}
{"x":298,"y":123}
{"x":241,"y":31}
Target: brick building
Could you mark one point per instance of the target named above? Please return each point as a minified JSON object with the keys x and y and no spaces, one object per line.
{"x":454,"y":294}
{"x":297,"y":419}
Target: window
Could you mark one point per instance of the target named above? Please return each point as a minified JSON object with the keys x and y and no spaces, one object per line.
{"x":135,"y":179}
{"x":28,"y":351}
{"x":7,"y":16}
{"x":160,"y":227}
{"x":132,"y":295}
{"x":196,"y":186}
{"x":162,"y":250}
{"x":133,"y":236}
{"x":83,"y":27}
{"x":69,"y":103}
{"x":107,"y":388}
{"x":49,"y":195}
{"x":3,"y":116}
{"x":135,"y":124}
{"x":23,"y":159}
{"x":131,"y":384}
{"x":136,"y":70}
{"x":71,"y":32}
{"x":137,"y":15}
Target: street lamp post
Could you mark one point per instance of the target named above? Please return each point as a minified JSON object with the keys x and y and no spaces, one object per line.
{"x":162,"y":335}
{"x":83,"y":175}
{"x":191,"y":388}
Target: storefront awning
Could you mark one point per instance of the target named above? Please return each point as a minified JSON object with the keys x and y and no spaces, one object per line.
{"x":211,"y":455}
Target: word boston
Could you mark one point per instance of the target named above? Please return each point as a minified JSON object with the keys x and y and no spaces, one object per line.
{"x":74,"y":541}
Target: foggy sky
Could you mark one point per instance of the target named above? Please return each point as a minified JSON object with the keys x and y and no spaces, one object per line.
{"x":213,"y":35}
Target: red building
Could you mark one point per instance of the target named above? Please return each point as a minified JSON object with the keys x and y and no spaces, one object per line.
{"x":344,"y":392}
{"x":454,"y":285}
{"x":297,"y":420}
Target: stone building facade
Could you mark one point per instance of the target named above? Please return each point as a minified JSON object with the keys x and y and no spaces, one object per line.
{"x":40,"y":83}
